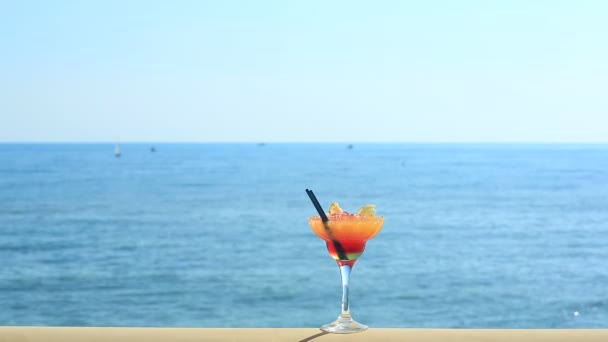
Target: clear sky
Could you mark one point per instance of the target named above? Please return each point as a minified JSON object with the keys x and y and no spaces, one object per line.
{"x":348,"y":71}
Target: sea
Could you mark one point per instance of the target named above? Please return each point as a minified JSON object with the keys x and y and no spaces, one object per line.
{"x":216,"y":235}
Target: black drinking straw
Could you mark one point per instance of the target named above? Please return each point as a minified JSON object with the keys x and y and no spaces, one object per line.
{"x":317,"y":205}
{"x":337,"y":245}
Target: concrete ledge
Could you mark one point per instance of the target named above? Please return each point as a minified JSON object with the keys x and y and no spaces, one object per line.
{"x":33,"y":334}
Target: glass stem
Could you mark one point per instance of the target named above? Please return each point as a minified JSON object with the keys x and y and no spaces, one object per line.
{"x":345,"y":273}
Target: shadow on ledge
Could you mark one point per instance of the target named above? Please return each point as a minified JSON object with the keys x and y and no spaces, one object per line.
{"x":310,"y":338}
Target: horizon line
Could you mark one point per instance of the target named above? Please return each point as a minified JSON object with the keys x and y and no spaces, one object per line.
{"x":16,"y":142}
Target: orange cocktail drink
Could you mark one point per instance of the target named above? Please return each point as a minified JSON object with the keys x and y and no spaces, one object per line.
{"x":345,"y":235}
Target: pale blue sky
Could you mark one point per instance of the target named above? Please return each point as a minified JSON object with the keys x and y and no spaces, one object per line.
{"x":304,"y":71}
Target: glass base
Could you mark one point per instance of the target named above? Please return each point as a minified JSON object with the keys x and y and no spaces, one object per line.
{"x":344,"y":325}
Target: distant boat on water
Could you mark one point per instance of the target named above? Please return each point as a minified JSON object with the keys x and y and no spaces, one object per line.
{"x":350,"y":147}
{"x":117,"y":152}
{"x":152,"y":149}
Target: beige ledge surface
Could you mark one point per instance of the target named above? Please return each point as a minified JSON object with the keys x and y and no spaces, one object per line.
{"x":68,"y":334}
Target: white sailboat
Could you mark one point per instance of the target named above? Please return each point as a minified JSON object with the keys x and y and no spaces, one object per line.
{"x":117,"y":152}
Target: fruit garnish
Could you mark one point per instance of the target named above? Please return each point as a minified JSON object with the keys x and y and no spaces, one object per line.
{"x":367,"y":210}
{"x":335,"y":209}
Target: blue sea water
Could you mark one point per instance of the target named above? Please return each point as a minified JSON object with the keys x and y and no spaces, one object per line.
{"x":216,"y":235}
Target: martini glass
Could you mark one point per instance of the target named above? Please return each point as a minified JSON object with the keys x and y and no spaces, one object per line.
{"x":345,"y":236}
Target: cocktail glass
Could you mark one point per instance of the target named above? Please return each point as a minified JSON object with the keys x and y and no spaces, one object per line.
{"x":346,"y":235}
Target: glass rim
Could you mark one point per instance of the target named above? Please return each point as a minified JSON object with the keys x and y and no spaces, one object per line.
{"x":350,"y":217}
